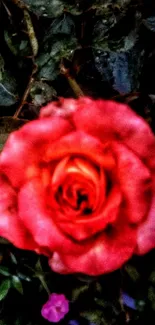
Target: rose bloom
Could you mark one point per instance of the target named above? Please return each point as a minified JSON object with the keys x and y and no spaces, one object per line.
{"x":78,"y":185}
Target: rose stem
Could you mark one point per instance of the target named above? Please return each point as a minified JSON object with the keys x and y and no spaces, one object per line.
{"x":20,"y":4}
{"x":72,"y":82}
{"x":41,"y":278}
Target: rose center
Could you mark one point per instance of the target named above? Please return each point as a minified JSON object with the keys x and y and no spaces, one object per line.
{"x":78,"y":185}
{"x":76,"y":199}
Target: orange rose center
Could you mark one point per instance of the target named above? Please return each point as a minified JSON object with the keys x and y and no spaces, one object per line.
{"x":78,"y":185}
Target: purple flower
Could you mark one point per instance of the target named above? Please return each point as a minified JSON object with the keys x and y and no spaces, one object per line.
{"x":128,"y":301}
{"x":55,"y":308}
{"x":73,"y":322}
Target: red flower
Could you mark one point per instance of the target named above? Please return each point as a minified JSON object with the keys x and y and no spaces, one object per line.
{"x":78,"y":185}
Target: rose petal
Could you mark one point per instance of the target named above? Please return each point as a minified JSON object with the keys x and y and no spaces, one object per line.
{"x":116,"y":121}
{"x":135,"y":183}
{"x":83,"y":145}
{"x":83,"y":228}
{"x":107,"y":120}
{"x":64,"y":107}
{"x":25,"y":148}
{"x":107,"y":253}
{"x":10,"y":226}
{"x":57,"y":265}
{"x":146,"y":231}
{"x":40,"y":223}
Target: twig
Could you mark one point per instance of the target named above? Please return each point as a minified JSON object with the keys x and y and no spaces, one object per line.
{"x":6,"y":8}
{"x":26,"y":93}
{"x":31,"y":33}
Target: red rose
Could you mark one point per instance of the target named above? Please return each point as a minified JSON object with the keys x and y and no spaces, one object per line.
{"x":78,"y":185}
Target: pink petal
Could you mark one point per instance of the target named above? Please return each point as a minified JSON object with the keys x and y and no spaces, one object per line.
{"x":81,"y":228}
{"x":25,"y":149}
{"x":10,"y":225}
{"x":83,"y":144}
{"x":107,"y":253}
{"x":116,"y":121}
{"x":146,"y":231}
{"x":135,"y":183}
{"x":40,"y":222}
{"x":107,"y":120}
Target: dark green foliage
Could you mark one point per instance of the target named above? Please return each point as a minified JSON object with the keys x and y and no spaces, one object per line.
{"x":92,"y":299}
{"x":108,"y":47}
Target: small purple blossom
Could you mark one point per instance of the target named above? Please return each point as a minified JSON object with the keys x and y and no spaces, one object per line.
{"x":55,"y":308}
{"x":128,"y":301}
{"x":73,"y":322}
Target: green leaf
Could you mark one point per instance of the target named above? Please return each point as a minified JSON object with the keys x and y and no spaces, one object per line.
{"x":151,"y":294}
{"x":86,"y":278}
{"x":3,"y":322}
{"x":54,"y":8}
{"x":18,"y":321}
{"x":24,"y":277}
{"x":140,"y":305}
{"x":13,"y":258}
{"x":6,"y":97}
{"x":7,"y":125}
{"x":96,"y":316}
{"x":59,"y":48}
{"x":63,"y":25}
{"x":8,"y":89}
{"x":3,"y":138}
{"x":2,"y":64}
{"x":4,"y":271}
{"x":152,"y":277}
{"x":3,"y":241}
{"x":132,"y":272}
{"x":17,"y":284}
{"x":151,"y":297}
{"x":4,"y":288}
{"x":78,"y":291}
{"x":98,"y":287}
{"x":38,"y":266}
{"x":101,"y":302}
{"x":50,"y":9}
{"x":41,"y":93}
{"x":150,"y":23}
